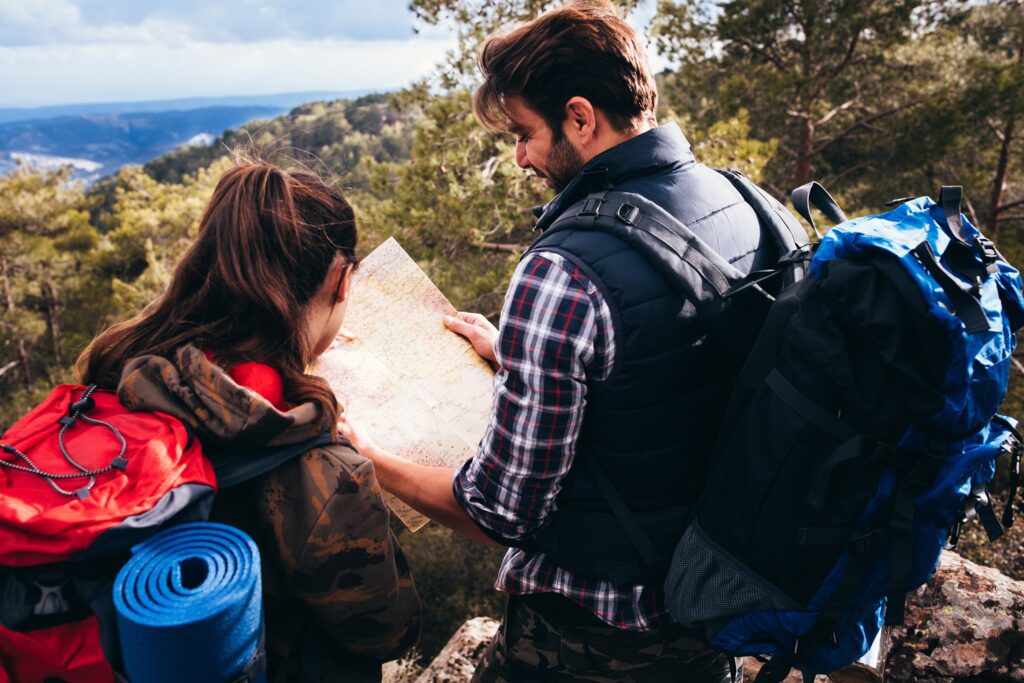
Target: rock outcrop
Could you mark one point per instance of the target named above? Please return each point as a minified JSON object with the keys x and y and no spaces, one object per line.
{"x":965,"y":625}
{"x":456,"y":661}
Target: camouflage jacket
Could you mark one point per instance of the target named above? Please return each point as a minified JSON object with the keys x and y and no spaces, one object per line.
{"x":335,"y":578}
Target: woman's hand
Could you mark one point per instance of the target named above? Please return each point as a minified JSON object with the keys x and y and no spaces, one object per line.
{"x":478,"y":330}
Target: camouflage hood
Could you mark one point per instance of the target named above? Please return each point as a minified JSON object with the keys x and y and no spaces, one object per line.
{"x":202,"y":395}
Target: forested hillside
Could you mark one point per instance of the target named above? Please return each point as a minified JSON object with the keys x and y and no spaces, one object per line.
{"x":877,"y":99}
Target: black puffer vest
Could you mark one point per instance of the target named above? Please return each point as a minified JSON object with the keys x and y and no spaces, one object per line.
{"x":653,"y":422}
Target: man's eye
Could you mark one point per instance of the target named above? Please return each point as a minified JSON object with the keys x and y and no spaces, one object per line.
{"x":522,"y":138}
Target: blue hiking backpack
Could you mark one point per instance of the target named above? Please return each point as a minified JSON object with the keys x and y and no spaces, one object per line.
{"x":862,"y":432}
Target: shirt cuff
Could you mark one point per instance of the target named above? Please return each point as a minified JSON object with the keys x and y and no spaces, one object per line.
{"x":463,"y":498}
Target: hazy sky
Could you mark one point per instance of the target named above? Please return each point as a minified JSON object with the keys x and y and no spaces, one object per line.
{"x":71,"y":51}
{"x":75,"y":51}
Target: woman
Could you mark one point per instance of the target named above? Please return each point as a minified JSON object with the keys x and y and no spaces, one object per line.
{"x":257,"y":297}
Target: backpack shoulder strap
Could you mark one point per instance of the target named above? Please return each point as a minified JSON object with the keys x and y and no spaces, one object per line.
{"x":776,"y":220}
{"x":698,"y":272}
{"x":235,"y":466}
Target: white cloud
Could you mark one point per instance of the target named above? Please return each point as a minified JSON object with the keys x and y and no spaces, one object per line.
{"x":37,"y":75}
{"x":46,"y":22}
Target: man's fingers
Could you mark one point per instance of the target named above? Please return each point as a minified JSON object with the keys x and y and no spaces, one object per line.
{"x":477,"y":330}
{"x":462,"y":327}
{"x":471,"y":318}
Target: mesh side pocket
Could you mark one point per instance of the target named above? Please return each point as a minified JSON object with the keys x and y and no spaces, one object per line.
{"x":704,"y":583}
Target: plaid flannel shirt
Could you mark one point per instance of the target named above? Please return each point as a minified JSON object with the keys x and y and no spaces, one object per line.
{"x":555,"y":336}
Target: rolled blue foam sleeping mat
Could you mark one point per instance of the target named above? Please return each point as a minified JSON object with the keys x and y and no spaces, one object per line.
{"x":189,"y":607}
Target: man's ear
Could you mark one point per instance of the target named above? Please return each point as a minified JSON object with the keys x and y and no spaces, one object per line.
{"x":580,"y":120}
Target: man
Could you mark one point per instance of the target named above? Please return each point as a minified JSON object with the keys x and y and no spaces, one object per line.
{"x":599,"y":360}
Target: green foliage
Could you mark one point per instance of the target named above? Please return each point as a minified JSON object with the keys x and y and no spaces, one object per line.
{"x":813,"y":74}
{"x":333,"y":137}
{"x":727,"y":144}
{"x":44,"y":237}
{"x":460,"y":206}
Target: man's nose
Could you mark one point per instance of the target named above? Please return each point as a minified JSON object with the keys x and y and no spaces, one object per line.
{"x":522,"y":158}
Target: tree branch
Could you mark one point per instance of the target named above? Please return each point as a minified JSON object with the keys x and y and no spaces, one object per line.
{"x":849,"y":53}
{"x":970,"y":210}
{"x":862,"y":124}
{"x":994,"y":126}
{"x":7,"y":367}
{"x":1011,"y":205}
{"x":842,"y":107}
{"x":764,"y":52}
{"x":496,"y":246}
{"x":839,"y":176}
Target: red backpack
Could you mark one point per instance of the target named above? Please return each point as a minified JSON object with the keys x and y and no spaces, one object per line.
{"x":82,"y":479}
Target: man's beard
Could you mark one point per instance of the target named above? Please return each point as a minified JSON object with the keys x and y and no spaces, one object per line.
{"x":564,"y":160}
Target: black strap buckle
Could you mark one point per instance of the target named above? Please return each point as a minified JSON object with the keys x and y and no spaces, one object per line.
{"x":51,"y":583}
{"x":989,"y":253}
{"x":590,"y":207}
{"x":628,"y":214}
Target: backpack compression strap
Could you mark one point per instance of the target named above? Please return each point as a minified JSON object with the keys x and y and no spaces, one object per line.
{"x":76,"y":412}
{"x":238,"y":465}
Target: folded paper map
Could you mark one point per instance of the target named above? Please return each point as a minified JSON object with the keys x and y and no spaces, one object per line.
{"x":417,"y":389}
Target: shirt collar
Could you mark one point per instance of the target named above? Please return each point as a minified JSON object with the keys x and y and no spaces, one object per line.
{"x":654,"y":150}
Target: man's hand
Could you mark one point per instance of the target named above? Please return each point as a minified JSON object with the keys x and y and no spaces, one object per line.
{"x":478,"y":330}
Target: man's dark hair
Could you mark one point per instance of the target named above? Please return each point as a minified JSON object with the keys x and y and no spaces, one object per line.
{"x":583,"y":49}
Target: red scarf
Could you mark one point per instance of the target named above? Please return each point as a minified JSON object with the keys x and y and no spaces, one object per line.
{"x":261,"y":378}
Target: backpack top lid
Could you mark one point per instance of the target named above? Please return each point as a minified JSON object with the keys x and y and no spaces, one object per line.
{"x":39,"y":525}
{"x":979,"y":366}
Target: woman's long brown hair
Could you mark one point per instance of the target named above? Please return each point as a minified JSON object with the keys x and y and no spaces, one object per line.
{"x":266,"y":242}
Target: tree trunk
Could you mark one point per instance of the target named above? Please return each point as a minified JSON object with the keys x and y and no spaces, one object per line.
{"x":1002,"y":168}
{"x":804,"y":150}
{"x":50,"y":298}
{"x":26,"y":368}
{"x":6,"y":282}
{"x":1000,"y":180}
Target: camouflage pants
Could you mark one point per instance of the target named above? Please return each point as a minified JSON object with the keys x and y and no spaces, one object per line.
{"x":530,"y":646}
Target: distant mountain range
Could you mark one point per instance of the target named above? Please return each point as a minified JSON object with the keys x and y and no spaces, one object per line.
{"x":282,"y":101}
{"x":97,"y":139}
